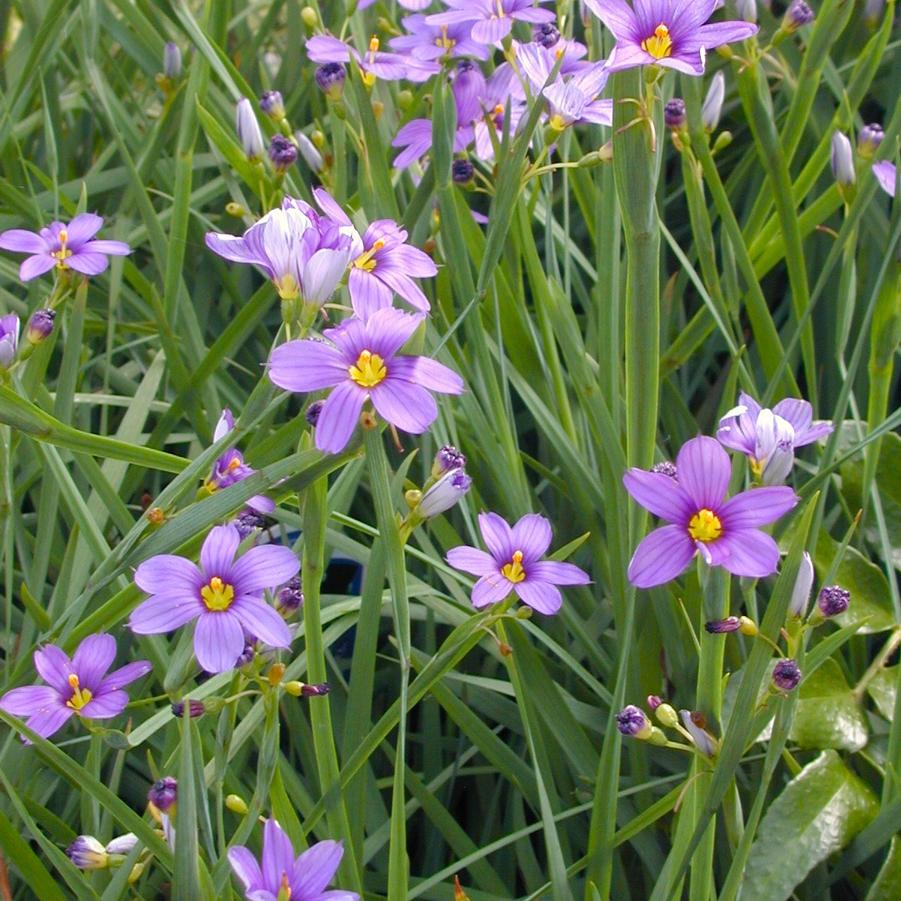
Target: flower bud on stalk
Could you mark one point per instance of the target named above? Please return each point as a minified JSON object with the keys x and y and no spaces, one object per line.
{"x":786,"y":674}
{"x":9,"y":339}
{"x":273,"y":105}
{"x":248,"y":130}
{"x":797,"y":606}
{"x":869,"y":139}
{"x":331,"y":77}
{"x":695,"y":724}
{"x":713,"y":102}
{"x":634,"y":723}
{"x":40,"y":326}
{"x":796,"y":16}
{"x":833,"y":600}
{"x":282,"y":153}
{"x":674,"y":114}
{"x":842,"y":159}
{"x":747,"y":10}
{"x":311,"y":156}
{"x":172,"y":61}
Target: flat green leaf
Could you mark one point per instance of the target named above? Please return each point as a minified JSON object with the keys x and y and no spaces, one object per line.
{"x":883,"y":690}
{"x":828,"y":715}
{"x":818,"y":813}
{"x":887,"y":883}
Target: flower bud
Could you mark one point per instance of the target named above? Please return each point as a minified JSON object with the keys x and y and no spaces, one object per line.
{"x":9,"y":338}
{"x":235,"y":210}
{"x":248,"y":129}
{"x":282,"y":153}
{"x":40,"y":325}
{"x":833,"y":600}
{"x":803,"y":583}
{"x":459,"y":894}
{"x":405,"y":100}
{"x":786,"y":674}
{"x":696,"y":726}
{"x":667,"y":469}
{"x":633,"y":722}
{"x":747,"y":10}
{"x":248,"y":521}
{"x":136,"y":872}
{"x":654,"y":701}
{"x":444,"y":494}
{"x":462,"y":172}
{"x":311,"y":414}
{"x":873,"y":10}
{"x":797,"y":14}
{"x":448,"y":458}
{"x":774,"y":451}
{"x":306,"y":689}
{"x":311,"y":156}
{"x":171,"y":61}
{"x":276,"y":674}
{"x":194,"y":708}
{"x":309,"y":17}
{"x":156,"y":516}
{"x":869,"y":139}
{"x":547,"y":35}
{"x":674,"y":113}
{"x":748,"y":626}
{"x":247,"y":656}
{"x":123,"y":845}
{"x":330,"y":77}
{"x":729,"y":624}
{"x":87,"y":853}
{"x":236,"y":804}
{"x":658,"y":737}
{"x":842,"y":160}
{"x":713,"y":102}
{"x":273,"y":105}
{"x":667,"y":716}
{"x":163,"y":794}
{"x":290,"y":597}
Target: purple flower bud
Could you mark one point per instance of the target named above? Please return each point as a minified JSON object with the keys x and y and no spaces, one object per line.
{"x":786,"y":674}
{"x":171,"y":60}
{"x":310,"y":153}
{"x":446,"y":459}
{"x":803,"y":583}
{"x":797,"y":14}
{"x":311,"y":414}
{"x":747,"y":10}
{"x":654,"y":701}
{"x":122,"y":844}
{"x":248,"y":130}
{"x":842,"y":160}
{"x":633,"y":721}
{"x":314,"y":691}
{"x":289,"y":598}
{"x":869,"y":139}
{"x":718,"y":626}
{"x":195,"y":709}
{"x":9,"y":338}
{"x":713,"y":102}
{"x":674,"y":114}
{"x":282,"y":152}
{"x":873,"y":10}
{"x":667,"y":468}
{"x":272,"y":104}
{"x":163,"y":793}
{"x":330,"y":78}
{"x":547,"y":34}
{"x":444,"y":494}
{"x":247,"y":655}
{"x":247,"y":521}
{"x":40,"y":325}
{"x":87,"y":853}
{"x":462,"y":172}
{"x":833,"y":600}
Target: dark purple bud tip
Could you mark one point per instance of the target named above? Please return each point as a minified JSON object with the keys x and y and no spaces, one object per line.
{"x":163,"y":793}
{"x":797,"y":14}
{"x":40,"y":325}
{"x":667,"y":468}
{"x":633,"y":722}
{"x":195,"y":709}
{"x":330,"y":78}
{"x":869,"y":139}
{"x":462,"y":172}
{"x":448,"y":458}
{"x":786,"y":674}
{"x":247,"y":655}
{"x":547,"y":34}
{"x":290,"y":598}
{"x":729,"y":624}
{"x":311,"y":414}
{"x":272,"y":104}
{"x":833,"y":600}
{"x":674,"y":113}
{"x":247,"y":521}
{"x":465,"y":65}
{"x":282,"y":152}
{"x":313,"y":691}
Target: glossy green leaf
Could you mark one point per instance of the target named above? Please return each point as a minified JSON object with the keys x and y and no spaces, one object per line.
{"x":827,"y":714}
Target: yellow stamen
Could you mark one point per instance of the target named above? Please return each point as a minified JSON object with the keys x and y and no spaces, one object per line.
{"x":233,"y":464}
{"x":374,"y":44}
{"x":660,"y":45}
{"x":369,"y":370}
{"x":365,"y":260}
{"x":500,"y":9}
{"x":63,"y":253}
{"x":513,"y":570}
{"x":444,"y":41}
{"x":705,"y":526}
{"x":217,"y":595}
{"x":287,"y":287}
{"x":80,"y":696}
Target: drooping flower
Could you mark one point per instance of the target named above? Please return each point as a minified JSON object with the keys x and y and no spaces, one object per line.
{"x":303,"y":253}
{"x":279,"y":874}
{"x":373,"y":62}
{"x":383,"y":263}
{"x":670,"y":33}
{"x":886,"y":174}
{"x":432,"y":42}
{"x":695,"y":724}
{"x":230,"y":468}
{"x":769,"y":437}
{"x":223,"y":595}
{"x":492,"y":20}
{"x":9,"y":339}
{"x":361,"y":362}
{"x":700,"y":519}
{"x":513,"y":563}
{"x":64,"y":246}
{"x":76,"y":687}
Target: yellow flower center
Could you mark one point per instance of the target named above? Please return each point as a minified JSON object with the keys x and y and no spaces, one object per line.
{"x":500,"y":9}
{"x":217,"y":595}
{"x":557,"y":123}
{"x":287,"y":287}
{"x":80,"y":696}
{"x":63,"y":253}
{"x":513,"y":570}
{"x":705,"y":526}
{"x":233,"y":464}
{"x":444,"y":41}
{"x":369,"y":370}
{"x":374,"y":44}
{"x":660,"y":45}
{"x":365,"y":260}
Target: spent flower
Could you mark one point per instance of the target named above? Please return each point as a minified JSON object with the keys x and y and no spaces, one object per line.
{"x":833,"y":600}
{"x":786,"y":674}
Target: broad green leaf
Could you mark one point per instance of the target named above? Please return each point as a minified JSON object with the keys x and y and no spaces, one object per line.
{"x":883,"y":689}
{"x":888,"y":882}
{"x":828,"y":715}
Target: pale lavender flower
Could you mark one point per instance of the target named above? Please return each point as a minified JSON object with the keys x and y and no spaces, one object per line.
{"x":76,"y":687}
{"x":172,"y":60}
{"x":230,"y":468}
{"x":446,"y":492}
{"x":373,"y":63}
{"x":279,"y":874}
{"x":797,"y":606}
{"x":700,"y":519}
{"x":670,"y":33}
{"x":64,"y":246}
{"x":769,"y":437}
{"x":360,"y":362}
{"x":432,"y":42}
{"x":248,"y":130}
{"x":309,"y":151}
{"x":492,"y":20}
{"x":886,"y":174}
{"x":842,"y":160}
{"x":9,"y":339}
{"x":87,"y":853}
{"x":713,"y":102}
{"x":223,"y":595}
{"x":696,"y":726}
{"x":513,"y":563}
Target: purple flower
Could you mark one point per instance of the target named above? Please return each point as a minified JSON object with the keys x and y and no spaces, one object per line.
{"x":224,"y":595}
{"x":383,"y":263}
{"x":273,"y":105}
{"x":87,"y":853}
{"x":667,"y":468}
{"x":786,"y":674}
{"x":514,"y":563}
{"x":195,"y":709}
{"x":172,"y":60}
{"x":163,"y":793}
{"x":546,"y":34}
{"x":360,"y":363}
{"x":769,"y":437}
{"x":247,"y":521}
{"x":633,"y":722}
{"x":674,"y":115}
{"x":303,"y":253}
{"x":885,"y":172}
{"x":718,"y":626}
{"x":230,"y":468}
{"x":331,"y":77}
{"x":432,"y":42}
{"x":833,"y":600}
{"x":64,"y":247}
{"x":492,"y":20}
{"x":869,"y":139}
{"x":462,"y":171}
{"x":9,"y":338}
{"x":290,"y":598}
{"x":797,"y":14}
{"x":447,"y":459}
{"x":373,"y":63}
{"x":282,"y":875}
{"x":667,"y":33}
{"x":446,"y":492}
{"x":700,"y":518}
{"x":79,"y":686}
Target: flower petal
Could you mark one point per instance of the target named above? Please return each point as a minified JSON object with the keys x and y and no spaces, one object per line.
{"x":531,"y":535}
{"x":54,"y":667}
{"x":616,"y":15}
{"x":105,"y":706}
{"x":93,"y":657}
{"x":264,"y":567}
{"x":45,"y":723}
{"x":110,"y":248}
{"x":388,"y":330}
{"x":125,"y":675}
{"x":30,"y":700}
{"x":471,"y":560}
{"x":245,"y":866}
{"x":261,"y":621}
{"x":306,"y":366}
{"x":164,"y":613}
{"x":20,"y":240}
{"x":704,"y":471}
{"x":661,"y":556}
{"x":427,"y":372}
{"x":278,"y":854}
{"x":558,"y":573}
{"x":409,"y":407}
{"x":540,"y":596}
{"x":368,"y":294}
{"x":316,"y":868}
{"x":659,"y":493}
{"x":88,"y":263}
{"x":82,"y":228}
{"x":756,"y":507}
{"x":35,"y":266}
{"x":218,"y":641}
{"x":746,"y":552}
{"x":339,"y":417}
{"x":217,"y":556}
{"x":168,"y":574}
{"x":498,"y":536}
{"x":491,"y":589}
